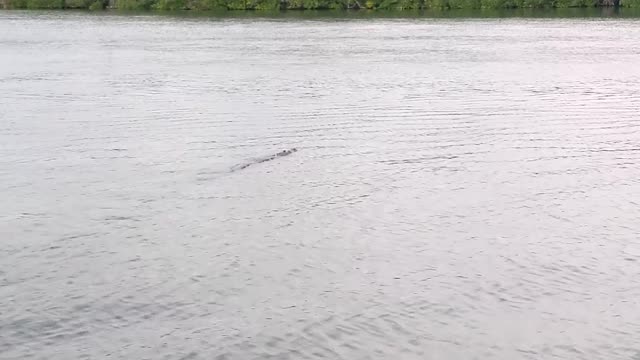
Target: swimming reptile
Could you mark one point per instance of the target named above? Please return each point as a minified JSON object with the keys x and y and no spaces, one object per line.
{"x":264,"y":159}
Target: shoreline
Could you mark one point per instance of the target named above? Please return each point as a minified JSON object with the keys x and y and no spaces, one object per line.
{"x":347,"y":6}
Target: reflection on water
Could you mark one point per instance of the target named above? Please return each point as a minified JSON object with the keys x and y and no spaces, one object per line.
{"x":463,"y":189}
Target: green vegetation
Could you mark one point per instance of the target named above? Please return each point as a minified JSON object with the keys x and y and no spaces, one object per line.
{"x":36,"y":4}
{"x":169,"y":5}
{"x":77,"y":4}
{"x":208,"y":5}
{"x":135,"y":4}
{"x":97,"y":5}
{"x":277,"y":5}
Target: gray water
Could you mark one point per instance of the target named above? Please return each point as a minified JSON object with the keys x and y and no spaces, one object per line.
{"x":463,"y":189}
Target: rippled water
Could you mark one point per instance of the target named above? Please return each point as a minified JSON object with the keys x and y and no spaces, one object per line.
{"x":462,"y":189}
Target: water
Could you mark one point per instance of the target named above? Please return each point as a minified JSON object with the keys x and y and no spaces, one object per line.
{"x":462,"y":189}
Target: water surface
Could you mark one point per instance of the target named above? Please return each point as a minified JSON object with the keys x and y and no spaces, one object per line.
{"x":463,"y":188}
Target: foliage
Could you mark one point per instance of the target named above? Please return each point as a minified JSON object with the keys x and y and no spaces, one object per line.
{"x":275,"y":5}
{"x":169,"y":5}
{"x":206,"y":5}
{"x":535,"y":4}
{"x":464,"y":4}
{"x":499,"y":4}
{"x":77,"y":4}
{"x":267,"y":4}
{"x":97,"y":5}
{"x":401,"y":4}
{"x":236,"y":5}
{"x":295,"y":4}
{"x":134,"y":4}
{"x":572,"y":3}
{"x":436,"y":4}
{"x":37,"y":4}
{"x":17,"y":4}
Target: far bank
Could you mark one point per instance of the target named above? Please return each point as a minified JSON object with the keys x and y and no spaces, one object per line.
{"x":278,"y":5}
